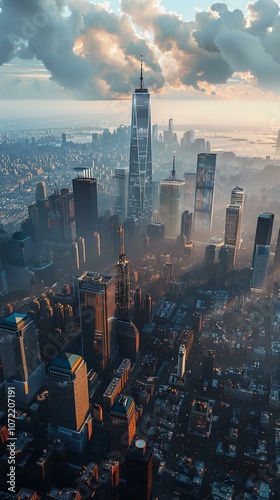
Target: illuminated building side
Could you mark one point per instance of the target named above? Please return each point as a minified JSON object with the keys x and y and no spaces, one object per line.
{"x":95,"y":294}
{"x":204,"y":193}
{"x":171,"y":203}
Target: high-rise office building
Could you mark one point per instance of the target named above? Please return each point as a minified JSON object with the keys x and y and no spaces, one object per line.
{"x":156,"y":233}
{"x":263,"y":231}
{"x":204,"y":193}
{"x":155,"y":132}
{"x":41,"y":192}
{"x":85,"y":201}
{"x":137,"y":308}
{"x":3,"y":280}
{"x":120,"y":188}
{"x":131,"y":233}
{"x":208,"y":365}
{"x":238,"y":198}
{"x":260,"y":267}
{"x":139,"y":470}
{"x":222,"y":268}
{"x":96,"y":251}
{"x":81,"y":253}
{"x":147,"y":309}
{"x":276,"y":264}
{"x":140,"y":164}
{"x":181,"y":361}
{"x":122,"y":423}
{"x":186,"y":224}
{"x":95,"y":294}
{"x":68,"y":226}
{"x":122,"y":290}
{"x":190,"y":182}
{"x":20,"y":356}
{"x":210,"y":256}
{"x":232,"y":232}
{"x":69,"y":401}
{"x":128,"y":340}
{"x":171,"y":203}
{"x":75,"y":257}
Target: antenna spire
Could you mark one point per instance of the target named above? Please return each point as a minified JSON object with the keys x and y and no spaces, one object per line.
{"x":141,"y":73}
{"x":173,"y":172}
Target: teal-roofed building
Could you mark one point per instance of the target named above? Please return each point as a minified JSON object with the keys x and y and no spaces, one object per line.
{"x":69,"y":405}
{"x":21,"y":359}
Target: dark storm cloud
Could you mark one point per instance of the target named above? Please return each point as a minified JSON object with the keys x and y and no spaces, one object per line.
{"x":94,"y":53}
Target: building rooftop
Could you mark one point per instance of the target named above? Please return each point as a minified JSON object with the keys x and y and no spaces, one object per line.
{"x":67,"y":361}
{"x":122,"y":404}
{"x":20,"y":236}
{"x":14,"y":320}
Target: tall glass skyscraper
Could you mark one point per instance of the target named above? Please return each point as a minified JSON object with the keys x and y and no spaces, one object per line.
{"x":69,"y":401}
{"x":95,"y":294}
{"x":238,"y":198}
{"x":171,"y":203}
{"x":140,"y":164}
{"x":204,"y":193}
{"x":86,"y":210}
{"x":122,"y":289}
{"x":263,"y":231}
{"x":20,"y":356}
{"x":232,"y":232}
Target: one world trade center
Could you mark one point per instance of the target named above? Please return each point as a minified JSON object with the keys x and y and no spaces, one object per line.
{"x":140,"y":164}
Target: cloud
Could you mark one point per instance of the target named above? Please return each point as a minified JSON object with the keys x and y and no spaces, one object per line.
{"x":93,"y":53}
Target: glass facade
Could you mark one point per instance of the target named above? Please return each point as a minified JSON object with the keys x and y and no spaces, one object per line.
{"x":171,"y":206}
{"x":96,"y":295}
{"x":205,"y":178}
{"x":140,"y":165}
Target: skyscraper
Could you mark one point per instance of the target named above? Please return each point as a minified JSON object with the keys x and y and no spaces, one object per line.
{"x":81,"y":253}
{"x":120,"y":187}
{"x":181,"y":361}
{"x":238,"y":198}
{"x":204,"y":193}
{"x":95,"y":294}
{"x":122,"y":423}
{"x":140,"y":164}
{"x":222,"y":265}
{"x":85,"y":201}
{"x":68,"y":226}
{"x":147,"y":309}
{"x":122,"y":269}
{"x":263,"y":231}
{"x":41,"y":192}
{"x":128,"y":340}
{"x":171,"y":203}
{"x":190,"y":182}
{"x":137,"y":308}
{"x":69,"y":401}
{"x":260,"y":266}
{"x":208,"y":366}
{"x":20,"y":356}
{"x":232,"y":232}
{"x":139,"y":471}
{"x":186,"y":224}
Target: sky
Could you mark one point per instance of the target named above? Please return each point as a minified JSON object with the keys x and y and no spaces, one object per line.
{"x":192,"y":50}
